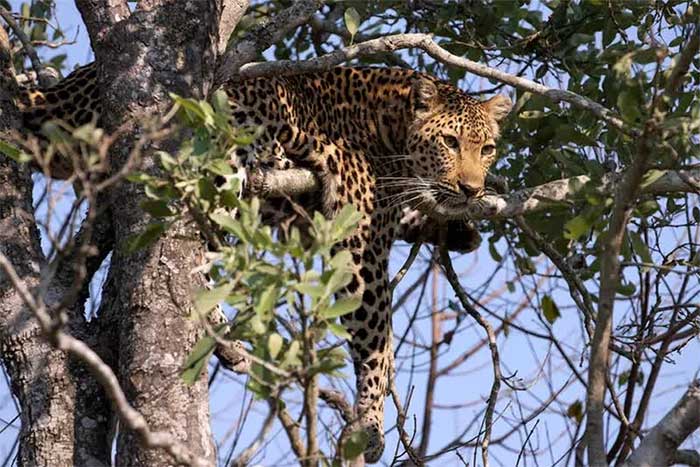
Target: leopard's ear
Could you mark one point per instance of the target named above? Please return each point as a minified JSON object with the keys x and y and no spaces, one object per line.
{"x":499,"y":106}
{"x":424,"y":97}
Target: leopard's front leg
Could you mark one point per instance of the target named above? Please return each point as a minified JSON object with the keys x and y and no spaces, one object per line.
{"x":370,"y":325}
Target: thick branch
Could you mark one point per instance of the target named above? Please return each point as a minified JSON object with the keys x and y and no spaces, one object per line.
{"x":231,"y":13}
{"x":277,"y":183}
{"x":263,"y":36}
{"x":426,"y":43}
{"x":659,"y":446}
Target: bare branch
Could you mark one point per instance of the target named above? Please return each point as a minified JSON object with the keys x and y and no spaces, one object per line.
{"x":400,"y":421}
{"x":336,"y":400}
{"x":659,"y":446}
{"x":244,"y":458}
{"x":453,"y":279}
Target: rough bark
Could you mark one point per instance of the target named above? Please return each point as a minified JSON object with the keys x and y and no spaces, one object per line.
{"x":38,"y":374}
{"x":162,"y":47}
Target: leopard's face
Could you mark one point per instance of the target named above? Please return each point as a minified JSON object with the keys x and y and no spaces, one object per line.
{"x":451,"y":145}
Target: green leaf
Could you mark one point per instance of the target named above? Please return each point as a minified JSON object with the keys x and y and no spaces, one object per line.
{"x":312,"y":290}
{"x":339,"y":330}
{"x":274,"y":344}
{"x":576,"y":227}
{"x":197,"y":359}
{"x":650,"y":177}
{"x":342,"y":307}
{"x":346,"y":221}
{"x":550,"y":310}
{"x":494,"y":253}
{"x":629,"y":103}
{"x":14,"y":153}
{"x":230,"y":225}
{"x":220,"y":100}
{"x":166,"y":160}
{"x":626,"y":289}
{"x":575,"y":411}
{"x":266,"y":300}
{"x":290,"y":356}
{"x":140,"y":177}
{"x":352,"y":21}
{"x":157,"y":208}
{"x":641,"y":249}
{"x":205,"y":300}
{"x":355,"y":444}
{"x":623,"y":378}
{"x":220,"y":167}
{"x":341,"y":260}
{"x":148,"y":236}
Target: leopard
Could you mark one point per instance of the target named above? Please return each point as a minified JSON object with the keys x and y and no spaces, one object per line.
{"x":384,"y":140}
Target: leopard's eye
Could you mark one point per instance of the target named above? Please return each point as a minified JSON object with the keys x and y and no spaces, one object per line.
{"x":451,"y":142}
{"x":488,"y":150}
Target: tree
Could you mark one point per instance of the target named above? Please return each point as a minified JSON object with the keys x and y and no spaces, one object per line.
{"x":592,"y":248}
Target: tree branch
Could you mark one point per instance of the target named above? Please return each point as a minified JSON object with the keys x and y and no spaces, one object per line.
{"x":231,"y":13}
{"x":660,"y":445}
{"x":626,"y":193}
{"x":46,"y":77}
{"x":291,"y":182}
{"x":453,"y":279}
{"x":263,"y":36}
{"x":426,"y":43}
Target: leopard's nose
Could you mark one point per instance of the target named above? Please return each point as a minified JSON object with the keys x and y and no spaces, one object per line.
{"x":468,"y":190}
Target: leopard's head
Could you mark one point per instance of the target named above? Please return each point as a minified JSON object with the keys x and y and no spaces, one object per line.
{"x":451,"y":144}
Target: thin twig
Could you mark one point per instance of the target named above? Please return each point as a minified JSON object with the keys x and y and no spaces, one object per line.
{"x":453,"y":279}
{"x":44,"y":79}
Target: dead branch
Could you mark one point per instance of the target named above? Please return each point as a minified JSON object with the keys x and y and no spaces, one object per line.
{"x":453,"y":279}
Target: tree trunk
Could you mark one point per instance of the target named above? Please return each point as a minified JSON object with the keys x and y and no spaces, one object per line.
{"x":162,"y":47}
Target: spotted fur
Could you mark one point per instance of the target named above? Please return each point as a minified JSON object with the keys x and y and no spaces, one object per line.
{"x":380,"y":139}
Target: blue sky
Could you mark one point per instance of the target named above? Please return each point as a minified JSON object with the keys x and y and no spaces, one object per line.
{"x":528,"y":358}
